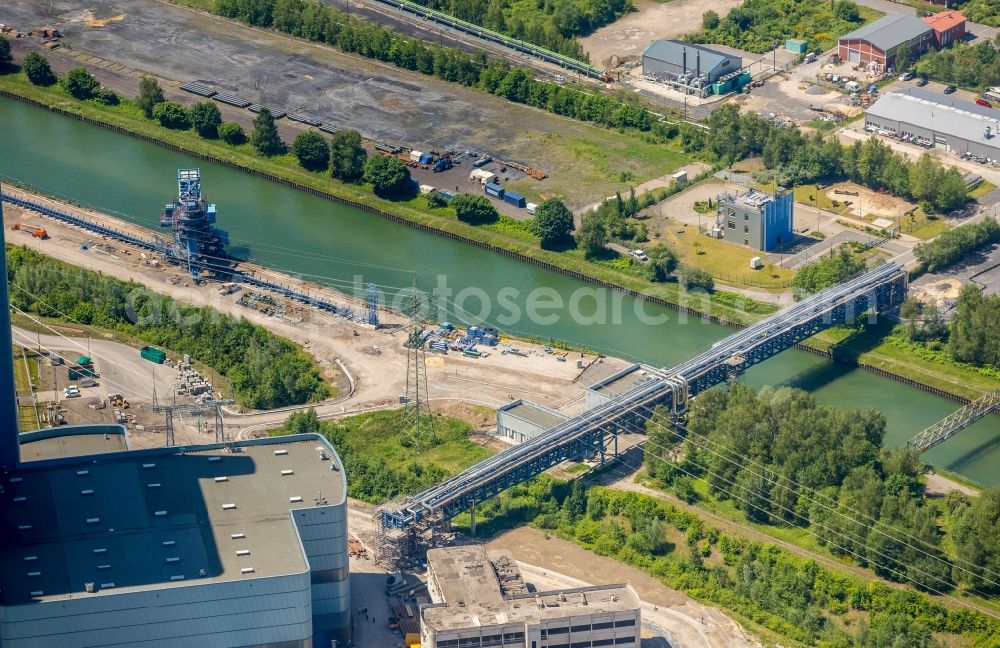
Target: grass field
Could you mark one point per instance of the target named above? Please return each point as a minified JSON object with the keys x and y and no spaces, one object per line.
{"x":383,"y":461}
{"x":600,"y":161}
{"x":378,"y":436}
{"x":727,"y":263}
{"x":874,"y":346}
{"x":26,"y":376}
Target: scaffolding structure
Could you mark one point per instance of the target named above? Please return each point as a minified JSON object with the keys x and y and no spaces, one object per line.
{"x":197,"y":243}
{"x":372,"y":304}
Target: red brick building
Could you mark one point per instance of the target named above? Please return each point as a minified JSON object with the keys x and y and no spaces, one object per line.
{"x":883,"y":40}
{"x":948,"y":26}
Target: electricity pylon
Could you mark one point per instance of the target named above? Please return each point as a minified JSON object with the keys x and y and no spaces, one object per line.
{"x":416,"y":421}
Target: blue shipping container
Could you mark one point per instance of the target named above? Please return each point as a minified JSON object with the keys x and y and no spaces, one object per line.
{"x":493,"y":189}
{"x":515,"y":199}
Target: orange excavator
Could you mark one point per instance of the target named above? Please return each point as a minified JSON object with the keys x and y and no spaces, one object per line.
{"x":37,"y":232}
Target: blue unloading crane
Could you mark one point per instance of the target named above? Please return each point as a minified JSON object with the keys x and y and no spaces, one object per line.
{"x":217,"y":265}
{"x":197,"y":242}
{"x":880,"y":290}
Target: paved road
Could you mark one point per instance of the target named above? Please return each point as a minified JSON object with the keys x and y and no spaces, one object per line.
{"x":119,"y":365}
{"x":887,"y":6}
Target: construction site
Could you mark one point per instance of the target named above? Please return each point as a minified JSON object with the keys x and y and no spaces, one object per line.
{"x":361,"y":347}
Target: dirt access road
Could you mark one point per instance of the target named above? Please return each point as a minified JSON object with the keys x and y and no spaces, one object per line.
{"x":377,"y":377}
{"x":626,"y":38}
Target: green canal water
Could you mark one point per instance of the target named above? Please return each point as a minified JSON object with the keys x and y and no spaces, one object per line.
{"x":300,"y":233}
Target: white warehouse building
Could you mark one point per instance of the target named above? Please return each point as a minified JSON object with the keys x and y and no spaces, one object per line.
{"x":930,"y":119}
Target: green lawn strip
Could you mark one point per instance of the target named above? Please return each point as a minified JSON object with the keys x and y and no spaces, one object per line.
{"x":24,"y":378}
{"x":383,"y":461}
{"x":981,"y":190}
{"x":875,"y":346}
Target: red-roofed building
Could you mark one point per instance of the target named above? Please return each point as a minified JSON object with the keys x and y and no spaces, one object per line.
{"x":948,"y":26}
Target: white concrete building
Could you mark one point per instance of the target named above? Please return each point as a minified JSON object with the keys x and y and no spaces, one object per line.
{"x":481,"y":600}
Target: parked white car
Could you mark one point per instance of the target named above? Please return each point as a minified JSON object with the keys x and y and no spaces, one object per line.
{"x":71,"y":392}
{"x":639,"y":254}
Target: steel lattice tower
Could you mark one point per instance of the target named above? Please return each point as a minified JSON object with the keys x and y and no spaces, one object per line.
{"x":416,"y":418}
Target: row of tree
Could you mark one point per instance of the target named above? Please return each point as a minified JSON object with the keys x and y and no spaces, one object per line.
{"x":795,"y":598}
{"x":319,"y":22}
{"x":974,"y":336}
{"x":784,"y":460}
{"x":798,"y":159}
{"x":954,"y":244}
{"x":970,"y":66}
{"x":266,"y":371}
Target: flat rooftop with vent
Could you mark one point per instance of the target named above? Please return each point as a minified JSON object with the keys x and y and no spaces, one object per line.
{"x":241,"y":544}
{"x":481,"y":599}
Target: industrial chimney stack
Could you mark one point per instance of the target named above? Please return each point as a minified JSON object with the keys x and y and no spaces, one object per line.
{"x":9,"y":445}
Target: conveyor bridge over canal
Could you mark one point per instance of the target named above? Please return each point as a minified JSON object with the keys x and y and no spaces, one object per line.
{"x":398,"y":527}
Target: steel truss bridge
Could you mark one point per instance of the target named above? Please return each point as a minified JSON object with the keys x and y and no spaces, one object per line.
{"x":955,"y":422}
{"x":880,"y":290}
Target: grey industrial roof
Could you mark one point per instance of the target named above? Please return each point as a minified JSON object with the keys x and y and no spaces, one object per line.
{"x":464,"y":575}
{"x":889,"y":32}
{"x":72,"y":441}
{"x":671,"y":51}
{"x":534,"y":413}
{"x":957,"y":118}
{"x":136,"y":520}
{"x":473,"y":595}
{"x":621,"y":382}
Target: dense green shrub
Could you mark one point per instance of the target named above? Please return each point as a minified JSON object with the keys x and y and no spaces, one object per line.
{"x":266,"y":371}
{"x":954,"y":244}
{"x":206,"y":119}
{"x":312,"y":151}
{"x":172,"y":115}
{"x":232,"y":133}
{"x":832,"y":269}
{"x":388,"y":176}
{"x":474,"y":209}
{"x":347,"y":156}
{"x":80,"y":83}
{"x":758,"y":25}
{"x":36,"y":68}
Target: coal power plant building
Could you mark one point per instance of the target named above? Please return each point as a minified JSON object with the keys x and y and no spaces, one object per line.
{"x":220,"y":546}
{"x":231,"y":545}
